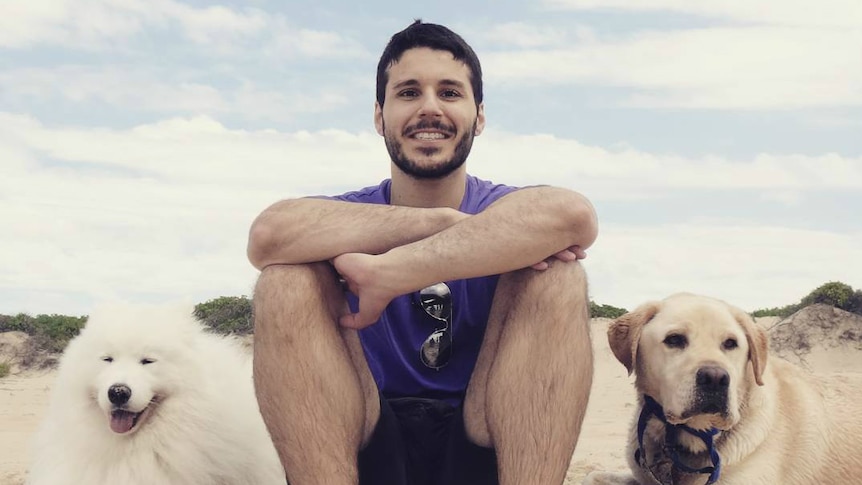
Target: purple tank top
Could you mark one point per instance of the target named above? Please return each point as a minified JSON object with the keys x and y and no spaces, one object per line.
{"x":392,"y":344}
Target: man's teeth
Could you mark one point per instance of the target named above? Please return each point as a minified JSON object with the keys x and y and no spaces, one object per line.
{"x":429,"y":136}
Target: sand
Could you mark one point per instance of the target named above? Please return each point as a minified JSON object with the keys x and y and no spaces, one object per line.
{"x":24,"y":399}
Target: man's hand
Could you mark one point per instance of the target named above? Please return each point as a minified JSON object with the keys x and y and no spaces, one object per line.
{"x":358,"y":272}
{"x":573,"y":253}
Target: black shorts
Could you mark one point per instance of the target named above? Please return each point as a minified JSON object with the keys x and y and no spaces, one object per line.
{"x":424,"y":442}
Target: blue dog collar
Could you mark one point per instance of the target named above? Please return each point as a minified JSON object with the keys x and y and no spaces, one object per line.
{"x":653,"y":409}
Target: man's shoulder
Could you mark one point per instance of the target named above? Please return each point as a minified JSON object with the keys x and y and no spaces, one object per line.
{"x":373,"y":194}
{"x":481,"y":193}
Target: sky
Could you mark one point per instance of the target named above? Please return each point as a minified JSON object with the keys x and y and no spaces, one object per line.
{"x":718,"y":141}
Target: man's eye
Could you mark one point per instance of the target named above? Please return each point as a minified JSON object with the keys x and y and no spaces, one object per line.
{"x":676,"y":341}
{"x":408,"y":93}
{"x":450,"y":93}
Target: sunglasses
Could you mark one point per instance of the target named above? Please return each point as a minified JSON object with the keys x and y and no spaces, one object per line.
{"x":436,"y":301}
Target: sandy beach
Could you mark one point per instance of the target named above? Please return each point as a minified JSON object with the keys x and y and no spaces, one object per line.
{"x":24,"y":398}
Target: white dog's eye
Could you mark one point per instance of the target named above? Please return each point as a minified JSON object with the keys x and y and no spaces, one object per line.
{"x":730,"y":344}
{"x":146,"y":361}
{"x":108,"y":358}
{"x":676,"y":341}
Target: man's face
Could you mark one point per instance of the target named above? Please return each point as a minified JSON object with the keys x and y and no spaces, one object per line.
{"x":429,"y":117}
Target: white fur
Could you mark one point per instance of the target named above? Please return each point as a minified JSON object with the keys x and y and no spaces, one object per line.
{"x":204,"y":427}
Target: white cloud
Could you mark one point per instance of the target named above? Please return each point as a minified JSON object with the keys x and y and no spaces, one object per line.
{"x":109,"y":24}
{"x":162,"y":211}
{"x":524,"y":35}
{"x":825,"y":13}
{"x":751,"y":267}
{"x":713,"y":68}
{"x":141,"y":89}
{"x":629,"y":173}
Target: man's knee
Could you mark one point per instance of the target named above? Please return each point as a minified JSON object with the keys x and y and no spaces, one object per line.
{"x":305,"y":287}
{"x":566,"y":278}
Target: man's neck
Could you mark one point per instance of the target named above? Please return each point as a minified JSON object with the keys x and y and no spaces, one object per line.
{"x":444,"y":192}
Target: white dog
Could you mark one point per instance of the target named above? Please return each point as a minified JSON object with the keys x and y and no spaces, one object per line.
{"x":145,"y":396}
{"x":711,"y":410}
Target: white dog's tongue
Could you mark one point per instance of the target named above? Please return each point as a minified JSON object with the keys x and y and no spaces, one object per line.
{"x":122,"y":421}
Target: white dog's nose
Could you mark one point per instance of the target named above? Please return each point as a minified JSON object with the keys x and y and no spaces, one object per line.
{"x":119,"y":394}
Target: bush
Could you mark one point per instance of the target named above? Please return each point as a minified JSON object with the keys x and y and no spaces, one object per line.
{"x":227,"y":315}
{"x":782,"y":312}
{"x":833,"y":293}
{"x":605,"y":311}
{"x":57,"y":330}
{"x":19,"y":323}
{"x":5,"y":369}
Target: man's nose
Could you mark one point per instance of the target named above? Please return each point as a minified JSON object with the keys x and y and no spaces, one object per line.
{"x":430,"y":105}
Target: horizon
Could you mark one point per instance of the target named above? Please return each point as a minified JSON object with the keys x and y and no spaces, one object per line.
{"x":718,"y":142}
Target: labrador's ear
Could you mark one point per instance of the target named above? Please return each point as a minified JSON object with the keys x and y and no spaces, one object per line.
{"x":758,"y":343}
{"x":625,"y":333}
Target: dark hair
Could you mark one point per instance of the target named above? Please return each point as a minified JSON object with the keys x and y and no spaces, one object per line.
{"x":434,"y":37}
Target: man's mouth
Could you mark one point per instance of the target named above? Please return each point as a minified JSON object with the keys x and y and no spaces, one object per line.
{"x":429,"y":136}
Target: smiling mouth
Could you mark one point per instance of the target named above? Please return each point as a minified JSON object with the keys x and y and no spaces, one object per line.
{"x":429,"y":136}
{"x":123,"y":421}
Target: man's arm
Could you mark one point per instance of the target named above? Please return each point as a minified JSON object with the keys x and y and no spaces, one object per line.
{"x":517,"y":231}
{"x":308,"y":230}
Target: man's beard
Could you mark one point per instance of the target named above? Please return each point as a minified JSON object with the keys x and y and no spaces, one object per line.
{"x":417,"y":171}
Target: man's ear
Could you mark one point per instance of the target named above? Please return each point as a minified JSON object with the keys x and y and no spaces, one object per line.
{"x":378,"y":118}
{"x":480,"y":119}
{"x":625,"y":332}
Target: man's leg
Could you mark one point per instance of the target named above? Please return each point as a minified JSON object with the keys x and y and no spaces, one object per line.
{"x":315,"y":391}
{"x":528,"y":393}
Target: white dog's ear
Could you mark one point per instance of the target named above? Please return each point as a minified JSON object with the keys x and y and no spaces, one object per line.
{"x":758,"y":343}
{"x":625,"y":333}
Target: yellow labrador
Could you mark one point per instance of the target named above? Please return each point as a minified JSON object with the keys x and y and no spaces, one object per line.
{"x":712,"y":411}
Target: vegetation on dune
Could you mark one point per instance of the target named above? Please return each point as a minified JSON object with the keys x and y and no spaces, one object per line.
{"x":835,"y":293}
{"x":227,"y":315}
{"x":49,"y":334}
{"x":605,"y":311}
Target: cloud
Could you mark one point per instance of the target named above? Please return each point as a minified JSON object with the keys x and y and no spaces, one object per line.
{"x":100,"y":25}
{"x":161,"y":210}
{"x":153,"y":90}
{"x":629,"y":173}
{"x":524,"y":35}
{"x":824,"y":13}
{"x":720,"y":68}
{"x":751,"y":267}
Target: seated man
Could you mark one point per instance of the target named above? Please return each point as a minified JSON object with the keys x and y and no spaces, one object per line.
{"x":461,"y":352}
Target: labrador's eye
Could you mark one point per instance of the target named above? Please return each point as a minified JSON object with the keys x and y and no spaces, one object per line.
{"x":730,"y":344}
{"x":146,"y":361}
{"x":676,"y":341}
{"x":107,"y":358}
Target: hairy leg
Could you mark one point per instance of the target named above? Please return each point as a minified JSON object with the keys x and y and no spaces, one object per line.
{"x":315,"y":391}
{"x":529,"y":391}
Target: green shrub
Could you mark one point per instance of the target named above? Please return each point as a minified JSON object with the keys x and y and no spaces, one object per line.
{"x":5,"y":369}
{"x":58,"y":330}
{"x":227,"y":315}
{"x":833,"y":293}
{"x":605,"y":311}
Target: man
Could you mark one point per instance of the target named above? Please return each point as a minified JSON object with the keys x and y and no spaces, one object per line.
{"x":481,"y":380}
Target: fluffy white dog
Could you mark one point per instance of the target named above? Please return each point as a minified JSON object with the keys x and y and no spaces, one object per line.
{"x":145,"y":396}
